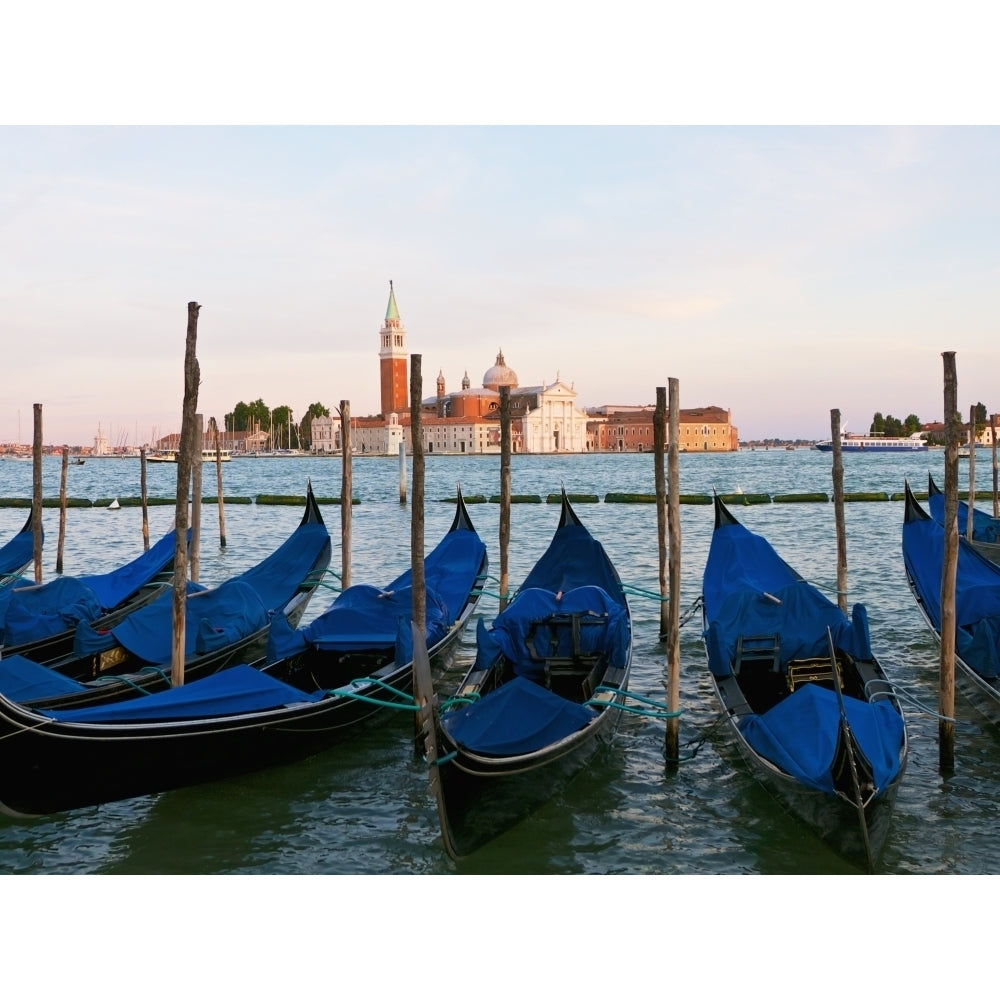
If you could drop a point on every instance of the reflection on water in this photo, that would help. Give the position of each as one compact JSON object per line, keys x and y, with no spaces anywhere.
{"x":364,"y":807}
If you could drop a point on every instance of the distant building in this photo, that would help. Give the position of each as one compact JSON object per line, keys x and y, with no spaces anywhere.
{"x":544,"y":418}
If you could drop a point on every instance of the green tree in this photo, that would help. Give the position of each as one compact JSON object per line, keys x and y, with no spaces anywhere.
{"x":912,"y":424}
{"x":878,"y":424}
{"x":305,"y":424}
{"x":281,"y":428}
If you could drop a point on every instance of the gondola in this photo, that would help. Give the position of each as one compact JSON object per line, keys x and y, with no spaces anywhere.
{"x":977,"y":604}
{"x":547,"y":687}
{"x":985,"y":529}
{"x":808,"y":704}
{"x":362,"y":645}
{"x":242,"y":718}
{"x":39,"y":621}
{"x":225,"y":625}
{"x":16,"y":554}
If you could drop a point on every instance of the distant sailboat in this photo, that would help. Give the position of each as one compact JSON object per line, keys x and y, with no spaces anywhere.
{"x":114,"y":505}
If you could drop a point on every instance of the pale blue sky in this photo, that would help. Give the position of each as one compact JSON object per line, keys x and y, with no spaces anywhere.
{"x":776,"y":271}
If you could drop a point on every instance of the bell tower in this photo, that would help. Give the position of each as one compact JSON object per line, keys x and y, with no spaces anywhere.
{"x":392,"y":360}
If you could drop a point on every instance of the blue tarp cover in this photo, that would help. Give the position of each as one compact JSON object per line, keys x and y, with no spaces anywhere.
{"x":120,"y":584}
{"x":573,"y":559}
{"x":367,"y":617}
{"x":30,"y":614}
{"x":18,"y":552}
{"x":513,"y":627}
{"x":22,"y":679}
{"x":34,"y":613}
{"x":229,"y":692}
{"x":280,"y":575}
{"x":984,"y":527}
{"x":518,"y":717}
{"x":799,"y":735}
{"x":977,"y":593}
{"x":215,"y":618}
{"x":750,"y":590}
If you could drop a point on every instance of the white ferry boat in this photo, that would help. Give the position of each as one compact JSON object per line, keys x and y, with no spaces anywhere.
{"x":207,"y":455}
{"x":876,"y":443}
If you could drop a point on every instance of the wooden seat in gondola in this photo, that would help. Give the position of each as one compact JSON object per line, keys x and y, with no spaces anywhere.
{"x":571,"y":660}
{"x":814,"y":670}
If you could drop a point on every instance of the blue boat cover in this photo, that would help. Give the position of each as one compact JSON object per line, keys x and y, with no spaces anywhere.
{"x":17,"y":553}
{"x":214,"y":618}
{"x":362,"y":617}
{"x":799,"y":735}
{"x":34,"y":613}
{"x":512,"y":628}
{"x":234,"y":691}
{"x":984,"y":527}
{"x":367,"y":617}
{"x":111,"y":589}
{"x":22,"y":679}
{"x":573,"y":559}
{"x":749,"y":589}
{"x":977,"y":593}
{"x":30,"y":614}
{"x":518,"y":717}
{"x":279,"y":576}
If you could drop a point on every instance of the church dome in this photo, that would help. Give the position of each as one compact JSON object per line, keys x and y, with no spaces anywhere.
{"x":500,"y":375}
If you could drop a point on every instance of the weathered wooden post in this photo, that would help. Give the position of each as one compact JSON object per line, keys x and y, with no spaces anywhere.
{"x":36,"y":493}
{"x":949,"y":568}
{"x":145,"y":499}
{"x":993,"y":439}
{"x":972,"y":474}
{"x":213,"y":424}
{"x":192,"y":376}
{"x":674,"y":578}
{"x":197,"y":468}
{"x":402,"y":472}
{"x":62,"y":509}
{"x":417,"y":514}
{"x":504,"y":493}
{"x":838,"y":509}
{"x":346,"y":493}
{"x":659,"y":478}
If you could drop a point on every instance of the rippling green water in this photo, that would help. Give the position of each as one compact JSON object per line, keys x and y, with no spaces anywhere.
{"x":365,"y":808}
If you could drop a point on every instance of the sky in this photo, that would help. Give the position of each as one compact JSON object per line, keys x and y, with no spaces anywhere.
{"x":780,"y":242}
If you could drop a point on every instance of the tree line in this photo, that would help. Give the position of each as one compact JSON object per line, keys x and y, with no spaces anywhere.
{"x":276,"y":421}
{"x":890,"y":426}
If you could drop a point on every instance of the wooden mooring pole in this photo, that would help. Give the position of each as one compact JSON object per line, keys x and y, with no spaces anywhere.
{"x":346,"y":493}
{"x":145,"y":499}
{"x":402,"y":472}
{"x":417,"y":514}
{"x":197,"y":470}
{"x":971,"y":503}
{"x":36,"y":493}
{"x":659,"y":479}
{"x":62,"y":509}
{"x":949,"y":568}
{"x":993,"y":439}
{"x":838,"y":510}
{"x":504,"y":533}
{"x":214,"y":426}
{"x":672,"y":746}
{"x":192,"y":376}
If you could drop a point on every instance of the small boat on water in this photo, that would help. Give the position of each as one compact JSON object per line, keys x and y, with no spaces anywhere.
{"x":16,"y":555}
{"x":806,"y":700}
{"x":546,"y":688}
{"x":225,"y":625}
{"x":977,"y":604}
{"x":985,"y":528}
{"x":170,"y":457}
{"x":242,"y":718}
{"x":876,"y":443}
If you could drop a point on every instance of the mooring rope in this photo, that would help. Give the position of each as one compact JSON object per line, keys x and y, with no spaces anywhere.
{"x":407,"y":704}
{"x":657,"y":709}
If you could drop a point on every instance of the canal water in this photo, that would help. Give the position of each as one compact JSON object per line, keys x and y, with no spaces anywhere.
{"x":364,"y":807}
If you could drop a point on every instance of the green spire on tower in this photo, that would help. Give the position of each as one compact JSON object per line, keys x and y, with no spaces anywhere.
{"x":391,"y":311}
